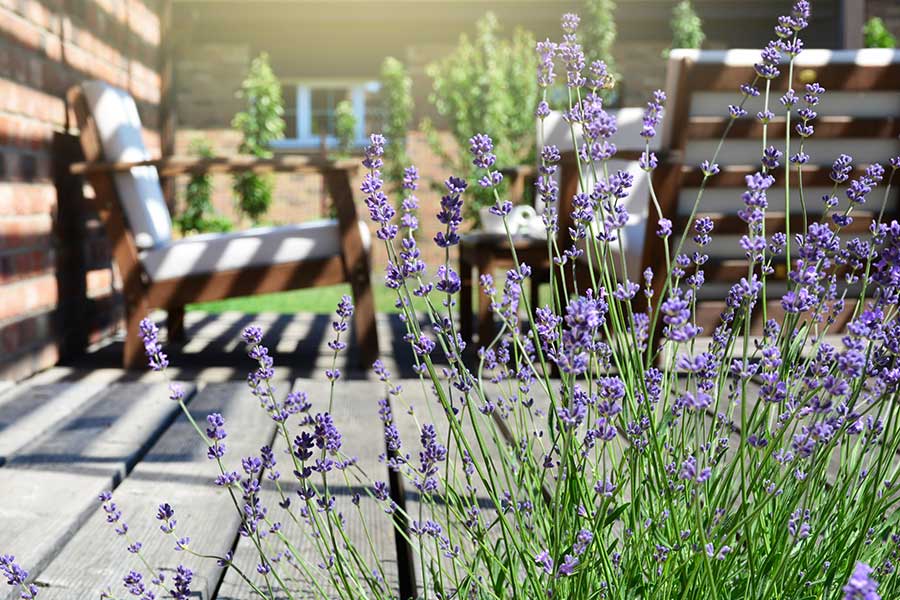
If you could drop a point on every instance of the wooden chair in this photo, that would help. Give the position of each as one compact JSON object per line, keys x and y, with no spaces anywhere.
{"x":859,"y":115}
{"x":159,"y":272}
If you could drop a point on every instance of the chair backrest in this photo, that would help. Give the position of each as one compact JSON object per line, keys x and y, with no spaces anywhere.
{"x":119,"y":128}
{"x":859,"y":115}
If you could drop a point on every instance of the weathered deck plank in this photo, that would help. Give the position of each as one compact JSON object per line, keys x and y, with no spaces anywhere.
{"x":426,"y":409}
{"x":175,"y":470}
{"x":31,"y":410}
{"x":49,"y":488}
{"x":355,"y":414}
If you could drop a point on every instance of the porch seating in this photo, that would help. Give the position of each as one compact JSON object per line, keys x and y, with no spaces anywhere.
{"x":700,"y":86}
{"x":161,"y":272}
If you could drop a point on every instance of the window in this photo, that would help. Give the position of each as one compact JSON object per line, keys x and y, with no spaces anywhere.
{"x":309,"y":111}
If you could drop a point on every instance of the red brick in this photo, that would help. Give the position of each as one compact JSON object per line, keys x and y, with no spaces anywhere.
{"x":28,"y":296}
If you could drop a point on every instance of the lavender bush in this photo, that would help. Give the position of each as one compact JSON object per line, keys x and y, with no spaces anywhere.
{"x":653,"y":465}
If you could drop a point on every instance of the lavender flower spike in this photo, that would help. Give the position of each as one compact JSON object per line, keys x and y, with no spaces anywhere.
{"x":149,"y":332}
{"x":861,"y":586}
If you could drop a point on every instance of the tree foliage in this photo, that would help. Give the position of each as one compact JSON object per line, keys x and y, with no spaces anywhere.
{"x":199,"y":215}
{"x":397,"y":109}
{"x":487,"y":84}
{"x":687,"y":27}
{"x":260,"y":123}
{"x":876,"y":34}
{"x":345,"y":126}
{"x":600,"y":32}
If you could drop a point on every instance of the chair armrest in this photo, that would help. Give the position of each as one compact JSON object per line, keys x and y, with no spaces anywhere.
{"x":188,"y":165}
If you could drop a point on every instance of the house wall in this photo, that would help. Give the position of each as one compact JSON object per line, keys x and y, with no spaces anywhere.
{"x":56,"y":282}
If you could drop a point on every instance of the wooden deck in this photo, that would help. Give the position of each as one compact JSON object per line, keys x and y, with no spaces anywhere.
{"x":64,"y":441}
{"x":71,"y":432}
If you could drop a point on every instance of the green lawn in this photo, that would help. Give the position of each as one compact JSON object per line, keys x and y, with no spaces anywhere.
{"x":322,"y":300}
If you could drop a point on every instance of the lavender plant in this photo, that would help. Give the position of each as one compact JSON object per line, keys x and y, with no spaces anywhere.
{"x":588,"y":452}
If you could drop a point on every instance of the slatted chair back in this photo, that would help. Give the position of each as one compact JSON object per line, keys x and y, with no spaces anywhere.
{"x":858,"y":115}
{"x":105,"y":198}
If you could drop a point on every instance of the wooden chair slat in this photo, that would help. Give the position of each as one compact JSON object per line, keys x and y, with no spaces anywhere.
{"x":700,"y":128}
{"x":716,"y":77}
{"x":731,"y":224}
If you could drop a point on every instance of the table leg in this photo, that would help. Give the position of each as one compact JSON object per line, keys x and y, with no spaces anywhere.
{"x":465,"y":298}
{"x":485,"y":317}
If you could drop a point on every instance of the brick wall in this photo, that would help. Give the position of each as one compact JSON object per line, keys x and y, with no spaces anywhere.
{"x":55,"y":273}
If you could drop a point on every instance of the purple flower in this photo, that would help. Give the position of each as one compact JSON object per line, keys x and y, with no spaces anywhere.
{"x":380,"y":209}
{"x":326,"y":434}
{"x":149,"y":333}
{"x":481,"y":147}
{"x":544,"y":561}
{"x":431,"y":454}
{"x":571,"y":53}
{"x":16,"y":576}
{"x":664,"y":228}
{"x":450,"y":213}
{"x":546,"y":53}
{"x":599,"y":76}
{"x":570,"y":22}
{"x":182,"y":581}
{"x":166,"y":514}
{"x":410,"y":178}
{"x":653,"y":115}
{"x":567,"y":566}
{"x":769,"y":59}
{"x":840,"y":170}
{"x":861,"y":586}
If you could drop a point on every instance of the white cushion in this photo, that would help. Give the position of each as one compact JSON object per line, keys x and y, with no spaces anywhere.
{"x":119,"y":125}
{"x":637,"y":203}
{"x":216,"y":252}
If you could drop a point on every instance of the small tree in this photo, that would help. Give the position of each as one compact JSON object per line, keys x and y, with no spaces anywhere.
{"x":199,"y":214}
{"x":397,"y":109}
{"x":687,"y":28}
{"x":345,"y":126}
{"x":260,"y":123}
{"x":600,"y":32}
{"x":487,"y":85}
{"x":876,"y":34}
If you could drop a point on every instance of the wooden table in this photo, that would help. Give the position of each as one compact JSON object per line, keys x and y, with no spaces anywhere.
{"x":487,"y":252}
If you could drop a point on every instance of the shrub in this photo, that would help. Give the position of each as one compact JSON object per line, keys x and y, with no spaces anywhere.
{"x":687,"y":28}
{"x":199,"y":215}
{"x":397,"y":108}
{"x":599,"y":39}
{"x":482,"y":86}
{"x":876,"y":34}
{"x":656,"y":465}
{"x":345,"y":126}
{"x":260,"y":123}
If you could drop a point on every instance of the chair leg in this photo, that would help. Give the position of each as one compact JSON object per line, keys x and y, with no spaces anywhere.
{"x":465,"y":299}
{"x":175,"y":324}
{"x":485,"y":316}
{"x":133,"y":353}
{"x":364,"y":316}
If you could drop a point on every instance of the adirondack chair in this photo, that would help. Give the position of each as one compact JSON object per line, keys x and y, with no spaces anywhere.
{"x":161,"y":272}
{"x":859,"y":115}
